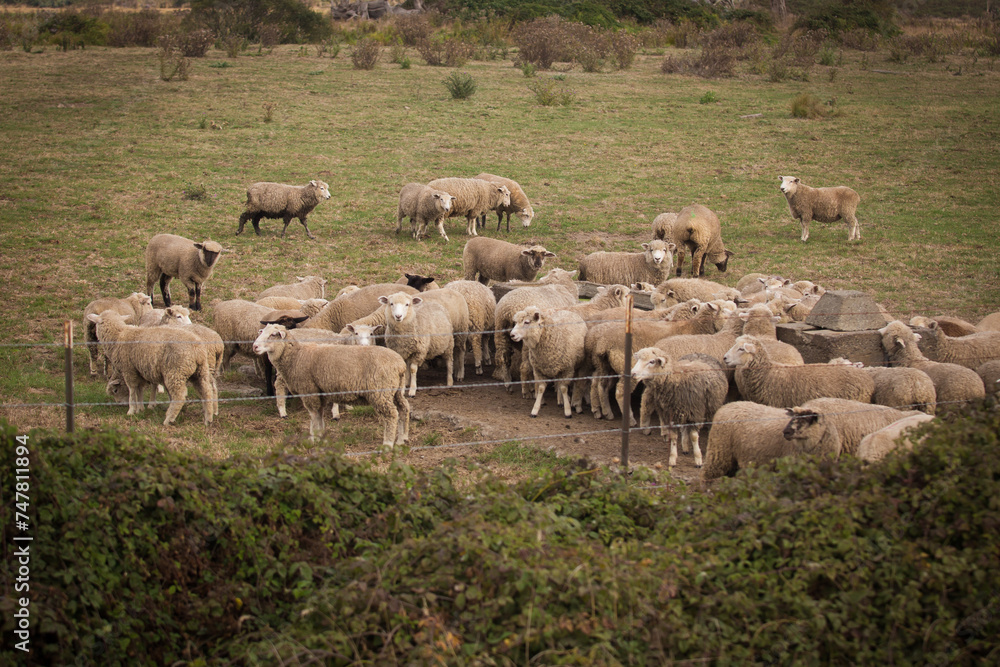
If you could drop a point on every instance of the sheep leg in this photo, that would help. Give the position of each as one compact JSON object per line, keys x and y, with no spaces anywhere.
{"x":440,"y":225}
{"x":177,"y":389}
{"x":411,"y":373}
{"x":672,"y":437}
{"x":164,"y":290}
{"x":693,"y":436}
{"x":203,"y":385}
{"x":403,"y":426}
{"x":449,"y":360}
{"x":287,"y":219}
{"x":280,"y":394}
{"x":646,"y":413}
{"x":853,"y":228}
{"x":470,"y":227}
{"x":385,"y":408}
{"x":539,"y":394}
{"x":525,"y":369}
{"x":501,"y":358}
{"x":680,"y":259}
{"x":804,"y":221}
{"x":92,"y":350}
{"x":459,"y":356}
{"x":621,"y":398}
{"x":256,"y":223}
{"x":194,"y":296}
{"x":476,"y":342}
{"x":698,"y":262}
{"x":317,"y":425}
{"x":562,"y":389}
{"x":303,"y":221}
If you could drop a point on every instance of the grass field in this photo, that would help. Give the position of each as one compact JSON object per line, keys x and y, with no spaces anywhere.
{"x":99,"y":154}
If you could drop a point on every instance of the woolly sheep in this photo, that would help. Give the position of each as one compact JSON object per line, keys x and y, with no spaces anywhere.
{"x":305,"y":287}
{"x":970,"y":351}
{"x":745,"y":433}
{"x":899,"y":387}
{"x":238,"y":321}
{"x":763,"y":381}
{"x":353,"y":306}
{"x":646,"y":288}
{"x":482,"y":305}
{"x":952,"y":383}
{"x":346,"y":289}
{"x":684,"y":393}
{"x":853,"y":419}
{"x":419,"y":332}
{"x":157,"y":355}
{"x":132,"y":308}
{"x":990,"y":375}
{"x":423,"y":205}
{"x":608,"y":268}
{"x":953,"y":326}
{"x":821,"y":204}
{"x":697,"y":229}
{"x":677,"y":290}
{"x":488,"y":259}
{"x":171,"y":256}
{"x":750,"y":283}
{"x":663,"y":226}
{"x":277,"y":200}
{"x":473,"y":198}
{"x":307,"y":307}
{"x":179,"y":316}
{"x":518,"y":205}
{"x":989,"y":323}
{"x":325,"y":374}
{"x":553,"y":343}
{"x":875,"y":446}
{"x":606,"y":298}
{"x":318,"y":336}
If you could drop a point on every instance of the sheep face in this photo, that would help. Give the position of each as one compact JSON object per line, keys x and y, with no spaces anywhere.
{"x":362,"y":334}
{"x":896,"y":336}
{"x":526,"y":215}
{"x":504,"y":192}
{"x":418,"y":282}
{"x":537,"y":255}
{"x":208,"y":252}
{"x":178,"y":314}
{"x":721,"y":260}
{"x":801,"y":421}
{"x":789,"y":184}
{"x":443,"y":201}
{"x":526,"y":323}
{"x":742,"y":350}
{"x":400,"y":304}
{"x":649,"y":361}
{"x":269,"y":337}
{"x":322,"y":189}
{"x":657,"y":251}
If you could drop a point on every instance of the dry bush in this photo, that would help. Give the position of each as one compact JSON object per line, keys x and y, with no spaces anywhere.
{"x":270,"y":35}
{"x":543,"y":41}
{"x":807,"y":105}
{"x":142,"y":28}
{"x":366,"y":53}
{"x":658,"y":35}
{"x":624,"y":46}
{"x":737,"y":35}
{"x":413,"y":28}
{"x":447,"y":52}
{"x":173,"y":63}
{"x":860,"y":39}
{"x":195,"y":44}
{"x":675,"y":65}
{"x":7,"y":35}
{"x":715,"y":62}
{"x":588,"y":48}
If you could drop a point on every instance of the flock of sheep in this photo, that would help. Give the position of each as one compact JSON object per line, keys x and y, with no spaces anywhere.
{"x":706,"y":353}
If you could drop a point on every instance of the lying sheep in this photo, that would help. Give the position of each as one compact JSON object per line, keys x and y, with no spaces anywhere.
{"x":305,"y":287}
{"x":419,"y":332}
{"x":896,"y":435}
{"x":697,"y":229}
{"x":482,"y":305}
{"x":486,"y":259}
{"x":852,"y":419}
{"x":277,"y":200}
{"x":609,"y":268}
{"x":519,"y":204}
{"x":325,"y":374}
{"x":953,"y":383}
{"x":684,"y":393}
{"x":953,"y":326}
{"x":346,"y":289}
{"x":822,"y":204}
{"x":677,"y":290}
{"x":751,"y":283}
{"x":645,"y":288}
{"x":971,"y":351}
{"x":663,"y":226}
{"x":990,"y":375}
{"x":170,"y":256}
{"x":353,"y":306}
{"x":745,"y":433}
{"x":424,"y":206}
{"x":899,"y":387}
{"x":989,"y":323}
{"x":133,"y":308}
{"x":763,"y":381}
{"x":553,"y":343}
{"x":473,"y":198}
{"x":156,"y":355}
{"x":307,"y":307}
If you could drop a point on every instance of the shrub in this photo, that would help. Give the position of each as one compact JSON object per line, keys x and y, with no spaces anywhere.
{"x":445,"y":51}
{"x":549,"y":92}
{"x":708,"y":98}
{"x":589,"y":48}
{"x":860,"y":40}
{"x":623,"y":46}
{"x":404,"y":63}
{"x":528,"y":70}
{"x":140,"y":28}
{"x":397,"y":52}
{"x":460,"y":85}
{"x":269,"y":109}
{"x":675,"y":65}
{"x":715,"y":62}
{"x":293,"y":18}
{"x":413,"y":28}
{"x":173,"y":62}
{"x":540,"y":42}
{"x":827,"y":57}
{"x":195,"y":44}
{"x":807,"y":105}
{"x":873,"y":16}
{"x":366,"y":53}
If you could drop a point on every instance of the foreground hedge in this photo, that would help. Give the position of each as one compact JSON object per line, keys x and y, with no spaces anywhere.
{"x":144,"y":556}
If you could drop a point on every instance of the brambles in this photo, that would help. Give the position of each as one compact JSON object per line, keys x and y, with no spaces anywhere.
{"x":366,"y":53}
{"x":461,"y":85}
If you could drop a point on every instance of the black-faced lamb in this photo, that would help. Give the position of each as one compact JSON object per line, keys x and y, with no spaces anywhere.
{"x":697,"y":229}
{"x":609,"y":268}
{"x":418,"y":282}
{"x":277,"y":200}
{"x":897,"y":435}
{"x":486,"y":259}
{"x":424,"y":206}
{"x":552,"y":340}
{"x":519,"y":204}
{"x":822,"y":204}
{"x":304,"y":287}
{"x":473,"y":198}
{"x":132,"y":308}
{"x":171,"y":256}
{"x":971,"y":351}
{"x":326,"y":374}
{"x":419,"y":332}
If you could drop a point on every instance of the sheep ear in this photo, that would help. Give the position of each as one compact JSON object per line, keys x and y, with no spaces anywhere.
{"x":415,"y":300}
{"x":409,"y":275}
{"x":378,"y":330}
{"x":549,"y":254}
{"x":383,"y":299}
{"x":745,"y":315}
{"x":526,"y":251}
{"x":94,"y":317}
{"x":645,"y":246}
{"x":350,"y":327}
{"x":602,"y":289}
{"x":199,"y":246}
{"x":671,"y":246}
{"x":299,"y":278}
{"x":917,"y":336}
{"x":313,"y":183}
{"x":730,"y":253}
{"x":796,"y":180}
{"x":932,"y":325}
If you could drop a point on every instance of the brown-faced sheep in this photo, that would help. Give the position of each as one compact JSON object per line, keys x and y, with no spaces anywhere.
{"x":971,"y":351}
{"x":853,"y":419}
{"x":277,"y":200}
{"x":171,"y":256}
{"x":486,"y":259}
{"x":304,"y":287}
{"x":519,"y":204}
{"x":552,"y":340}
{"x":424,"y":206}
{"x":897,"y":435}
{"x":609,"y":268}
{"x":822,"y":204}
{"x":132,"y":308}
{"x":697,"y":228}
{"x":473,"y":198}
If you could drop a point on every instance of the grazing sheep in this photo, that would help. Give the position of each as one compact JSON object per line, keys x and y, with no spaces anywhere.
{"x":419,"y":332}
{"x":133,"y":308}
{"x":418,"y":282}
{"x":677,"y":290}
{"x":518,"y":205}
{"x":684,"y":393}
{"x":697,"y":229}
{"x":745,"y":433}
{"x":989,"y":323}
{"x":473,"y":198}
{"x":157,"y":355}
{"x":493,"y":259}
{"x":821,"y":204}
{"x":423,"y":205}
{"x":325,"y":374}
{"x":952,"y":383}
{"x":353,"y":306}
{"x":610,"y":268}
{"x":482,"y":305}
{"x":763,"y":381}
{"x":875,"y":446}
{"x":305,"y":287}
{"x":971,"y":351}
{"x":277,"y":200}
{"x":853,"y":419}
{"x":553,"y":343}
{"x":170,"y":256}
{"x":990,"y":375}
{"x":663,"y":226}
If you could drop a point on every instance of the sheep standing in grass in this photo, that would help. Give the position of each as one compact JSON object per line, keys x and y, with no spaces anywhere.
{"x":424,"y":206}
{"x":482,"y":305}
{"x":853,"y":421}
{"x":473,"y":198}
{"x":519,"y":204}
{"x":822,"y":204}
{"x":157,"y":355}
{"x":170,"y":256}
{"x":277,"y":200}
{"x":325,"y":374}
{"x":553,"y":343}
{"x":652,"y":265}
{"x":684,"y":393}
{"x":745,"y":433}
{"x":663,"y":226}
{"x":697,"y":229}
{"x":304,"y":287}
{"x":896,"y":435}
{"x":971,"y":351}
{"x":953,"y":384}
{"x":487,"y":259}
{"x":133,"y":308}
{"x":419,"y":332}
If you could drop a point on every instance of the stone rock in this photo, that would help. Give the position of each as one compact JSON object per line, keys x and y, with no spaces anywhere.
{"x":846,"y":310}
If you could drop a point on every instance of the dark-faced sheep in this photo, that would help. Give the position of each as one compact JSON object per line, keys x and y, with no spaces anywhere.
{"x":277,"y":200}
{"x":171,"y":256}
{"x":488,"y":259}
{"x":822,"y":204}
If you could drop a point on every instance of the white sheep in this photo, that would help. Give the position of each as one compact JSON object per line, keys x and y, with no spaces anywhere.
{"x":482,"y":305}
{"x":133,"y":308}
{"x":609,"y":268}
{"x":473,"y":198}
{"x":553,"y":344}
{"x":171,"y":256}
{"x":677,"y":290}
{"x":157,"y":355}
{"x":519,"y":203}
{"x":663,"y":226}
{"x":684,"y":392}
{"x":896,"y":435}
{"x":424,"y":206}
{"x":898,"y":386}
{"x":179,"y":316}
{"x":486,"y":259}
{"x":277,"y":200}
{"x":419,"y":332}
{"x":759,"y":321}
{"x":821,"y":204}
{"x":745,"y":433}
{"x":989,"y":323}
{"x":325,"y":374}
{"x":989,"y":372}
{"x":308,"y":306}
{"x":970,"y":351}
{"x":238,"y":321}
{"x":852,"y":419}
{"x":304,"y":287}
{"x":697,"y":228}
{"x":346,"y":289}
{"x":318,"y":336}
{"x":353,"y":306}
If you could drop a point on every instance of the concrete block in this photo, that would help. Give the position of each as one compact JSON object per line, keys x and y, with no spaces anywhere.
{"x":818,"y":346}
{"x":846,"y":310}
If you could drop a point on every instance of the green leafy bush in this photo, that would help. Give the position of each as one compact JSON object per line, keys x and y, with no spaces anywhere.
{"x":460,"y":85}
{"x":552,"y":92}
{"x":807,"y":105}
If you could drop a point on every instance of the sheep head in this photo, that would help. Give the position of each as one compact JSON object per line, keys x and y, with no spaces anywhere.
{"x":269,"y":338}
{"x":789,"y":184}
{"x":650,"y":361}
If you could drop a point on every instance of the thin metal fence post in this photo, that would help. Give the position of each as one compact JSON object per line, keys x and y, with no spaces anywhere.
{"x":68,"y":346}
{"x":627,"y":380}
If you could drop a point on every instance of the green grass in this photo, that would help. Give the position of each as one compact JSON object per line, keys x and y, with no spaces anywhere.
{"x":98,"y":156}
